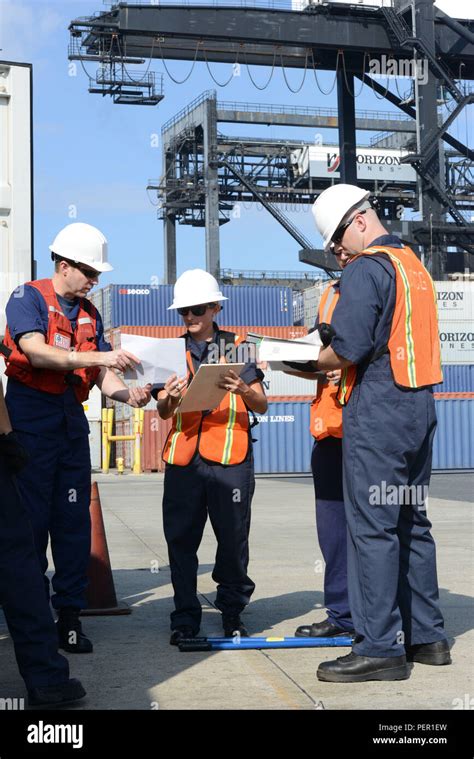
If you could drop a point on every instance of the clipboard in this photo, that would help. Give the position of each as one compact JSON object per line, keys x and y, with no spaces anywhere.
{"x":203,"y":393}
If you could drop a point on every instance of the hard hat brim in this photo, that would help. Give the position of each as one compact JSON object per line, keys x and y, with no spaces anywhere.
{"x":195,"y":302}
{"x":100,"y":267}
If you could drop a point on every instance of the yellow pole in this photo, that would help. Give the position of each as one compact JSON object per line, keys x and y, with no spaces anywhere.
{"x":105,"y":443}
{"x":137,"y":424}
{"x":110,"y":424}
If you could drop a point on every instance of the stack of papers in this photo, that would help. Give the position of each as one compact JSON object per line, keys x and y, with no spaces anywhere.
{"x":277,"y":351}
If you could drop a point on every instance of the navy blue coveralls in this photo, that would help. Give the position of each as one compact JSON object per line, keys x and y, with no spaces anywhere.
{"x":25,"y":607}
{"x":55,"y":486}
{"x":388,"y":439}
{"x":331,"y":525}
{"x":193,"y":492}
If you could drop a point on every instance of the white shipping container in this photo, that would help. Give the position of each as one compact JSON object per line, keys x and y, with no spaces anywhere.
{"x":312,"y":296}
{"x":457,"y":342}
{"x":16,"y":243}
{"x":322,"y":162}
{"x":455,"y":300}
{"x":279,"y":383}
{"x":95,"y":444}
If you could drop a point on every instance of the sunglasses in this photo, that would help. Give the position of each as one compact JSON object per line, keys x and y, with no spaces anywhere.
{"x":195,"y":310}
{"x":339,"y":233}
{"x":89,"y":273}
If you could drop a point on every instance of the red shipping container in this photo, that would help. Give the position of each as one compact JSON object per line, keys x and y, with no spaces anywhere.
{"x":113,"y":335}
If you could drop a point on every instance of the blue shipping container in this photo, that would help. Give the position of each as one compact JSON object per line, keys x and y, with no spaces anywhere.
{"x":457,"y":378}
{"x":454,"y":440}
{"x":144,"y":305}
{"x":284,"y":442}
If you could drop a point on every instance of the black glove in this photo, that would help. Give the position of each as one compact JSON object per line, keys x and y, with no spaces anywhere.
{"x":326,"y":333}
{"x":13,"y":452}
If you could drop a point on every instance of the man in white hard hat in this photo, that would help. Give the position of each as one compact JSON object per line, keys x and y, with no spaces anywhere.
{"x":209,"y":463}
{"x":385,"y":324}
{"x":55,"y":352}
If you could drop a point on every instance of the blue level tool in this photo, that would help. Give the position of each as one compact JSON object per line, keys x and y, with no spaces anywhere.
{"x":238,"y":644}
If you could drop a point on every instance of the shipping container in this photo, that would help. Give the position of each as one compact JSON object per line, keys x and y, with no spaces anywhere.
{"x":457,"y":378}
{"x":279,"y":383}
{"x":155,"y":432}
{"x":323,"y":162}
{"x":143,"y":305}
{"x":457,"y":342}
{"x":289,"y":333}
{"x":454,"y":440}
{"x":455,"y":301}
{"x":16,"y":186}
{"x":283,"y":441}
{"x":95,"y":444}
{"x":298,"y":307}
{"x":312,"y":296}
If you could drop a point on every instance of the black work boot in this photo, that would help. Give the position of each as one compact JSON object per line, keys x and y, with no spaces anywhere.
{"x":429,"y":653}
{"x":182,"y":632}
{"x":233,"y":626}
{"x":56,"y":695}
{"x":355,"y":668}
{"x":70,"y":635}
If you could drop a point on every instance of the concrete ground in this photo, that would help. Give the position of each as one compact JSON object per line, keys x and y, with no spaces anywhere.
{"x":134,"y":667}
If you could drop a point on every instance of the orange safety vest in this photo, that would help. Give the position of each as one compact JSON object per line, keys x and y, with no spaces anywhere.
{"x":326,"y":410}
{"x":413,"y":345}
{"x":60,"y":335}
{"x":221,"y":436}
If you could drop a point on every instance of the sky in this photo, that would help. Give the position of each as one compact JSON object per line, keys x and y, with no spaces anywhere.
{"x":93,"y":159}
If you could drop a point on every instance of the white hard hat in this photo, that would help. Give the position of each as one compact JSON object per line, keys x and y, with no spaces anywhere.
{"x":82,"y":244}
{"x":194,"y":287}
{"x":333,"y":205}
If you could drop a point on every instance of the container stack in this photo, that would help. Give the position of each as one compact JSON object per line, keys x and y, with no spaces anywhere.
{"x":454,"y":441}
{"x":283,"y":439}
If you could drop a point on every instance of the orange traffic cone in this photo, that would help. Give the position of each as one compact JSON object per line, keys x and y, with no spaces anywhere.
{"x":100,"y":594}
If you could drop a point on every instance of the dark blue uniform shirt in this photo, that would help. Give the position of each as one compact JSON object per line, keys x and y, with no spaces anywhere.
{"x":33,"y":410}
{"x":362,"y":319}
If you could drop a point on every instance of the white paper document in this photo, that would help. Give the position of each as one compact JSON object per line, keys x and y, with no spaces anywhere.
{"x":276,"y":350}
{"x":160,"y":358}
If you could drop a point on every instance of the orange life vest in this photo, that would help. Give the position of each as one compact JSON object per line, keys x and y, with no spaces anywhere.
{"x":60,"y":335}
{"x":413,"y":345}
{"x":221,"y":436}
{"x":326,"y":410}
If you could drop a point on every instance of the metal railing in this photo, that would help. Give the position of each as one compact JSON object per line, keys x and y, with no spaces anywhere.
{"x":277,"y":5}
{"x":259,"y":274}
{"x":227,"y":105}
{"x":307,"y":111}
